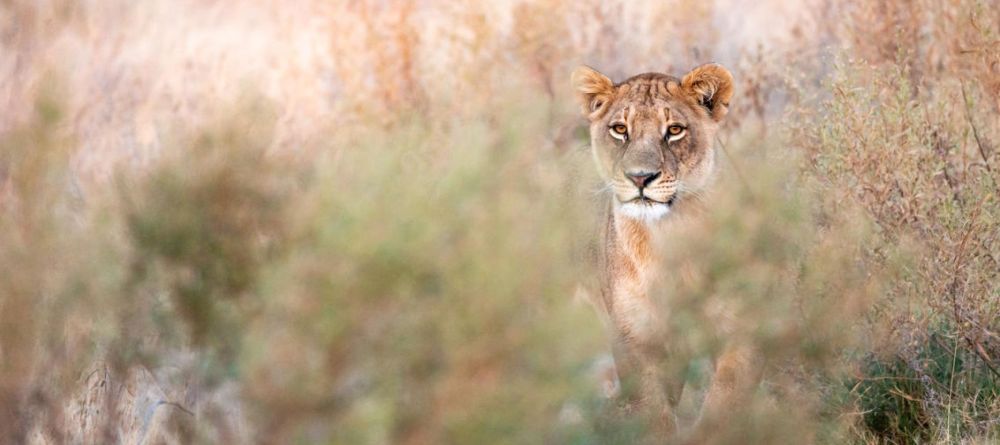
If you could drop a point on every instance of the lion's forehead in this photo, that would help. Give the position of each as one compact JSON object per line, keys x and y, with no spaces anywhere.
{"x":653,"y":98}
{"x":656,"y":114}
{"x":647,"y":89}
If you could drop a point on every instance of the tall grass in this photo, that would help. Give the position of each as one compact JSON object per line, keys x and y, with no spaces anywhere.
{"x":369,"y":222}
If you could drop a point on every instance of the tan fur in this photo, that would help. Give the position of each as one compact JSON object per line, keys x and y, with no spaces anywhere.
{"x":671,"y":173}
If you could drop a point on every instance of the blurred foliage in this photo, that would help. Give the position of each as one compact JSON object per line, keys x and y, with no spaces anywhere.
{"x":423,"y":295}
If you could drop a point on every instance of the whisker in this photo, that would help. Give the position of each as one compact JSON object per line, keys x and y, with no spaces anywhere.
{"x":603,"y":188}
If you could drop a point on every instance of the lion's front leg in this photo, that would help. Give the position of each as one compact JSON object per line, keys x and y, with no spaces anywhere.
{"x":652,"y":380}
{"x":738,"y":371}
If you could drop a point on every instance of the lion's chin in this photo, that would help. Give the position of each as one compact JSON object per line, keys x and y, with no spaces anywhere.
{"x":644,"y":210}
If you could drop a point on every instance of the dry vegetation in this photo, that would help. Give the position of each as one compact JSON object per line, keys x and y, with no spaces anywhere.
{"x":364,"y":221}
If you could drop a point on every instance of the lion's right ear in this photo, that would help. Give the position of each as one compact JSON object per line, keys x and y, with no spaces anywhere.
{"x":593,"y":89}
{"x":711,"y":86}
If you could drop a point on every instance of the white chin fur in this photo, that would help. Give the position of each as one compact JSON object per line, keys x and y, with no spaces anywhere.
{"x":643,"y":211}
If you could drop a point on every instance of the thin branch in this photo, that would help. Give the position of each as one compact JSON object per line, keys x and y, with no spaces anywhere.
{"x":984,"y":358}
{"x":176,"y":405}
{"x":736,"y":168}
{"x":975,"y":131}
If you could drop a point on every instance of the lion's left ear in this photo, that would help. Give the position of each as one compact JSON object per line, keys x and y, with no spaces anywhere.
{"x":712,"y":86}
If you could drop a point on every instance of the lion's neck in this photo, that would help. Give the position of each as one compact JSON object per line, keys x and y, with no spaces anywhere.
{"x":632,"y":266}
{"x":638,"y":236}
{"x":634,"y":245}
{"x":633,"y":237}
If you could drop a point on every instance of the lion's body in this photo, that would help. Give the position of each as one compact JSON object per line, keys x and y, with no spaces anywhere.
{"x":651,"y":137}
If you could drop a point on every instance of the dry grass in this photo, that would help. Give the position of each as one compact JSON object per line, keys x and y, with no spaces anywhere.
{"x":363,"y":222}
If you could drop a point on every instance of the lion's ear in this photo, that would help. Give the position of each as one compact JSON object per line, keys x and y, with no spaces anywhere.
{"x":594,"y":90}
{"x":712,"y":86}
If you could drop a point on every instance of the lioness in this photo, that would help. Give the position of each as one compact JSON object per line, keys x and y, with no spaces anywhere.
{"x":652,"y":139}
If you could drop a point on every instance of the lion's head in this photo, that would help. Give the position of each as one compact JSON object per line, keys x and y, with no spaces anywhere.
{"x":652,"y":135}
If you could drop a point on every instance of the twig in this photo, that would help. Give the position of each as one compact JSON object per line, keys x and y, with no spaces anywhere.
{"x":975,"y":131}
{"x":736,"y":168}
{"x":984,"y":358}
{"x":953,"y":290}
{"x":176,"y":405}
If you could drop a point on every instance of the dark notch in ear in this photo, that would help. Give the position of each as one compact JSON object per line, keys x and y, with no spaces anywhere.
{"x":593,"y":89}
{"x":712,"y":86}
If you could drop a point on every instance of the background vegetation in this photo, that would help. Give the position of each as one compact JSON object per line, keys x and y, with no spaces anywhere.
{"x":365,"y":222}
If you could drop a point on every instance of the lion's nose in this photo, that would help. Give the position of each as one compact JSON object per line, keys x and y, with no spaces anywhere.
{"x":642,"y":178}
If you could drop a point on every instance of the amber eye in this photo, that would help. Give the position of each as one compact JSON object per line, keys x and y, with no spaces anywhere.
{"x":619,"y":131}
{"x":675,"y":130}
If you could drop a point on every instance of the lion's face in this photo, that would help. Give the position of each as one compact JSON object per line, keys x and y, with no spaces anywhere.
{"x":652,"y":135}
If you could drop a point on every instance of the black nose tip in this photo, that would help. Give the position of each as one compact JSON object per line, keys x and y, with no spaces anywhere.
{"x":642,"y":179}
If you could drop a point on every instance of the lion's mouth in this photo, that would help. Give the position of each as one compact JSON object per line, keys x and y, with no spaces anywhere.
{"x":646,"y":209}
{"x":645,"y":200}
